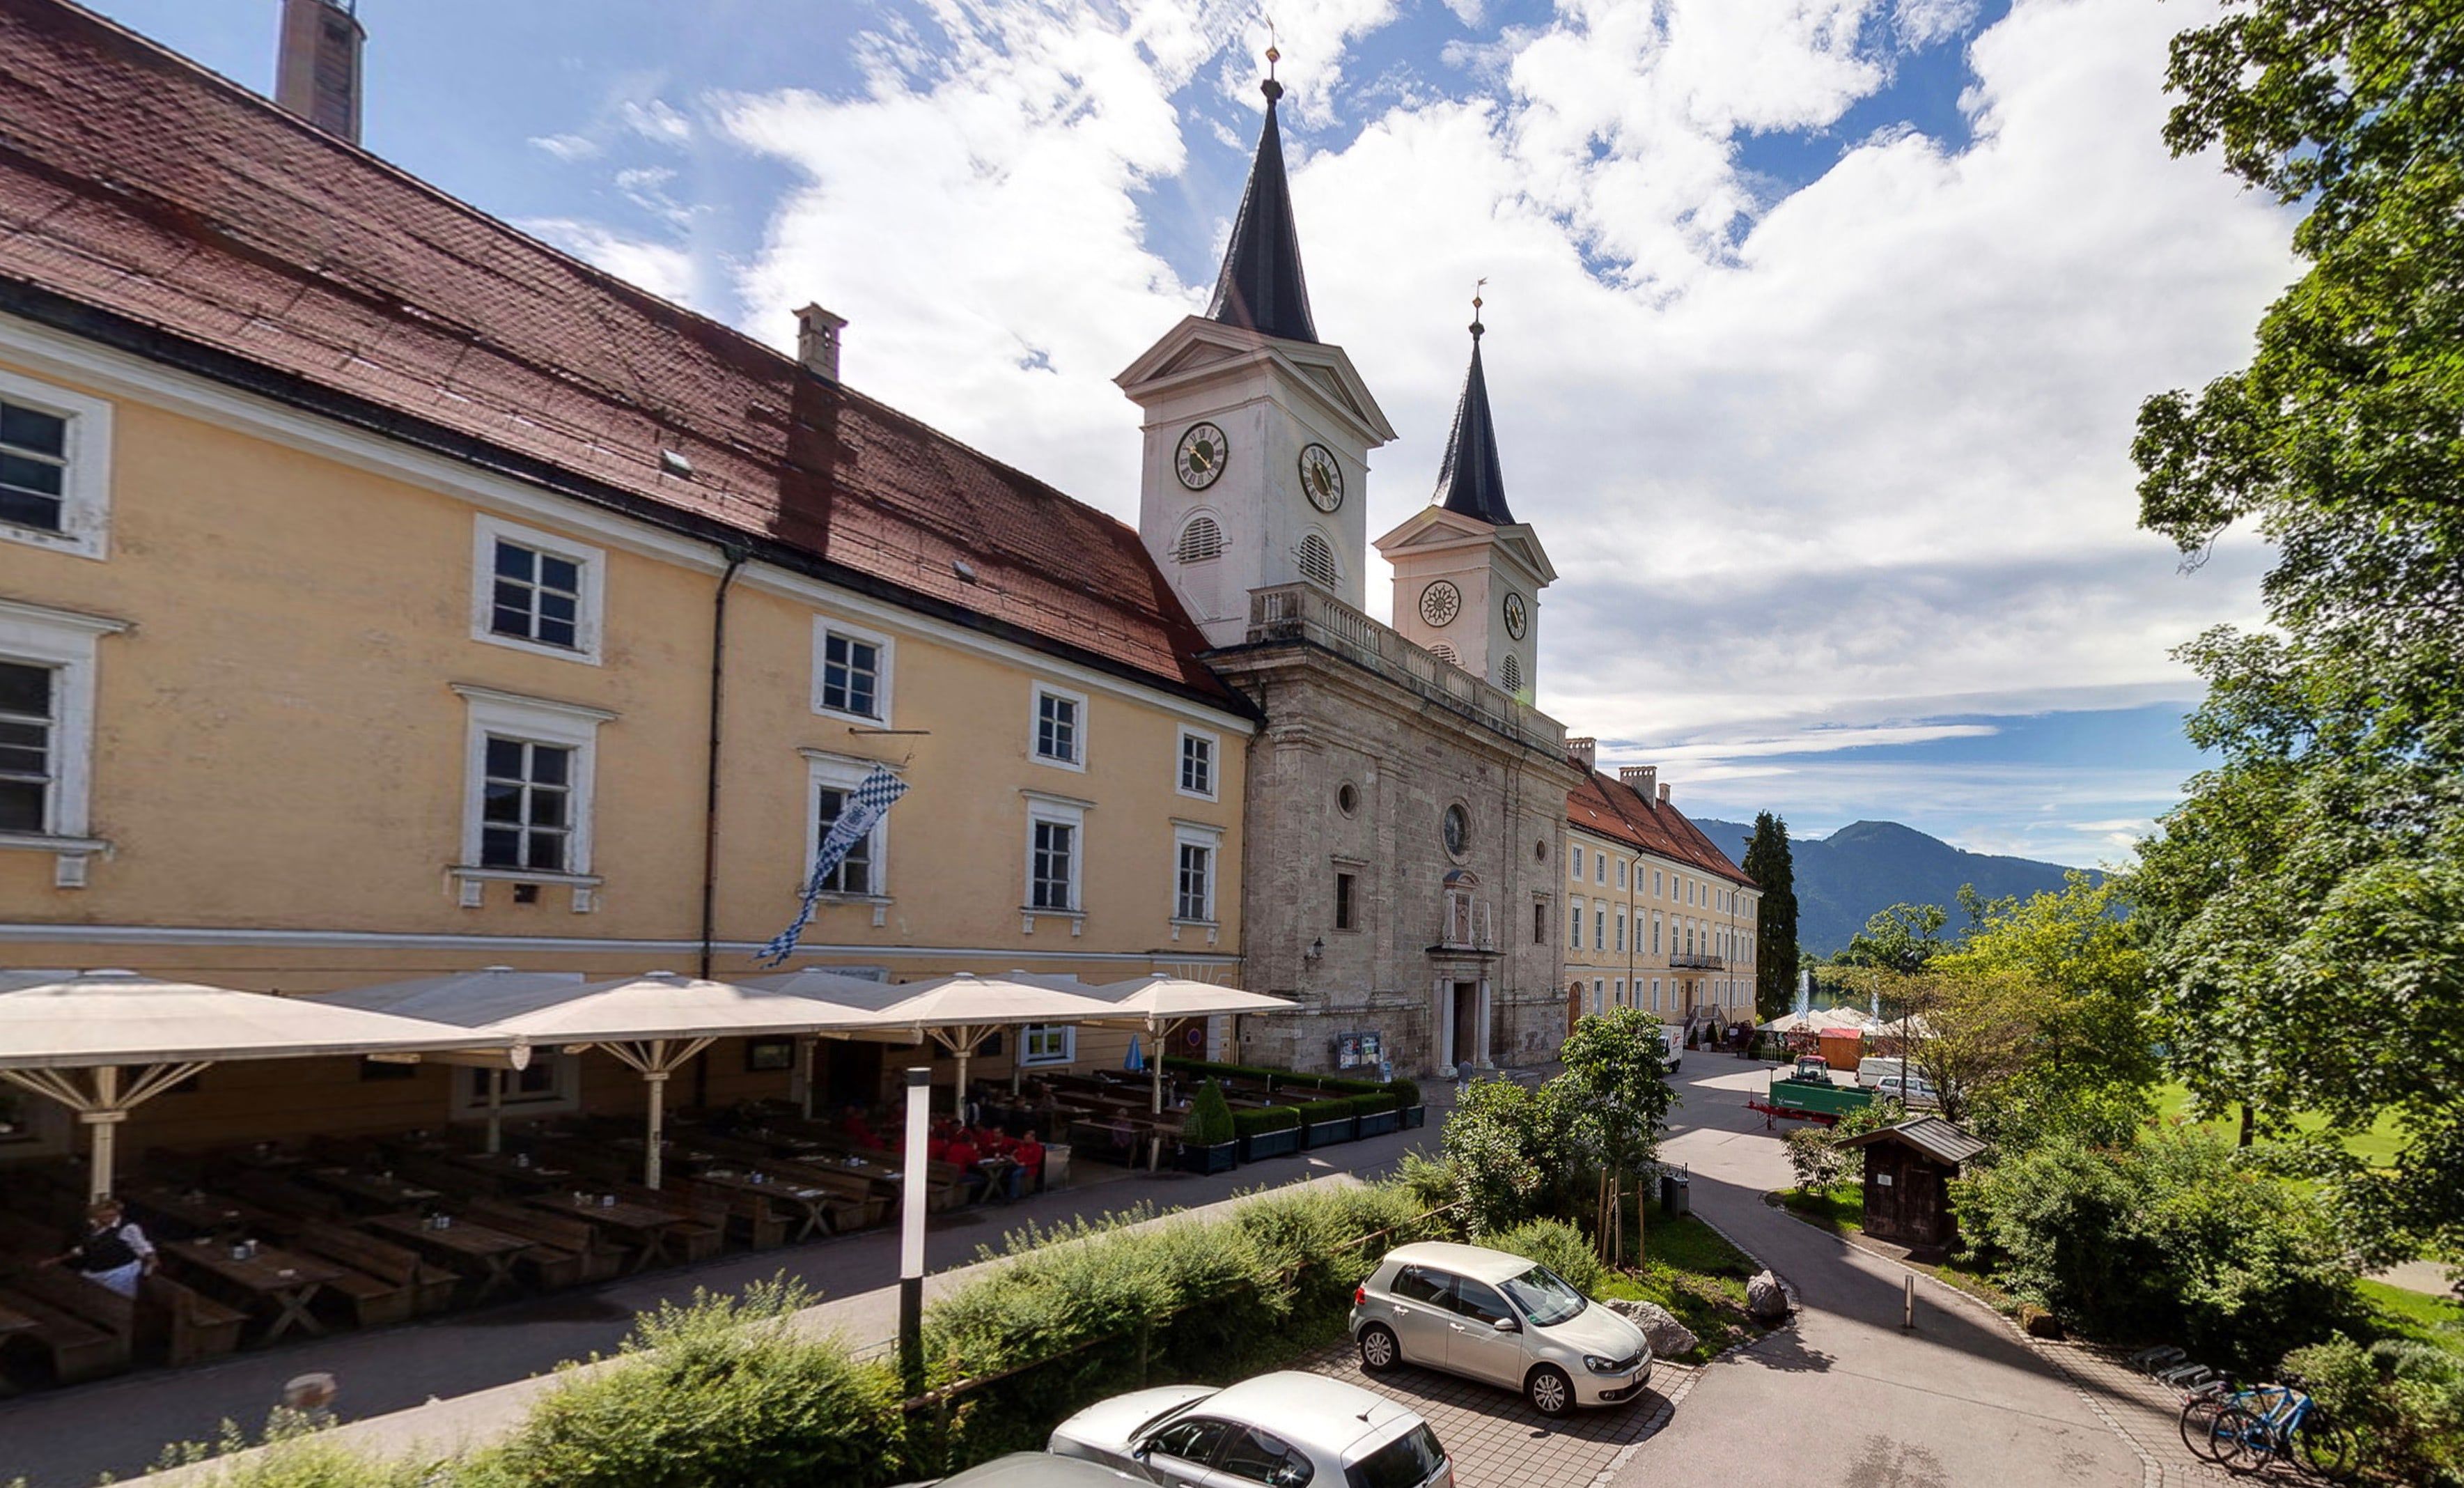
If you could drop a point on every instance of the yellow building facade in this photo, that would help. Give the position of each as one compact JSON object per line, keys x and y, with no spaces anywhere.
{"x":299,"y":692}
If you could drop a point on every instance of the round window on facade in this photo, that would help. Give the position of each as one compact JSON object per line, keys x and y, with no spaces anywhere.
{"x":1540,"y":851}
{"x":1455,"y":829}
{"x":1347,"y":798}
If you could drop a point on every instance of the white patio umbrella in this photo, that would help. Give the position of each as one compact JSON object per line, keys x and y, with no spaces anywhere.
{"x":1160,"y":1004}
{"x":103,"y":1043}
{"x":444,"y":997}
{"x":656,"y":1023}
{"x":836,"y":988}
{"x":960,"y":1011}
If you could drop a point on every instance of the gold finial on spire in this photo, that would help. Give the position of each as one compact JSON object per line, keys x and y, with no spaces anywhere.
{"x":1476,"y":327}
{"x":1273,"y":89}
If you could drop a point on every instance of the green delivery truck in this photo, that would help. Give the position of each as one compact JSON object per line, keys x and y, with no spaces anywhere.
{"x":1807,"y":1094}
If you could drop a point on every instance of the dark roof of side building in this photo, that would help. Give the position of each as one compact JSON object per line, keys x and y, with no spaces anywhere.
{"x":147,"y":202}
{"x":1930,"y":1135}
{"x":1609,"y":807}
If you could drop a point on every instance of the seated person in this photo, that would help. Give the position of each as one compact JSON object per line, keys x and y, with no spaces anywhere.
{"x":1026,"y":1170}
{"x":857,"y":1130}
{"x":936,"y":1148}
{"x":963,"y":1155}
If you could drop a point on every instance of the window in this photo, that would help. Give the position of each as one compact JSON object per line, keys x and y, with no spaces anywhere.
{"x":1419,"y":1284}
{"x":1577,"y":862}
{"x":1509,"y":673}
{"x":1197,"y":763}
{"x":1445,"y":653}
{"x":1199,"y":541}
{"x":1575,"y":910}
{"x":1060,"y":728}
{"x":1600,"y":868}
{"x":28,"y":720}
{"x":1191,"y":1440}
{"x":1539,"y":923}
{"x":1051,"y":879}
{"x":526,"y":814}
{"x":1654,"y":935}
{"x":526,"y":808}
{"x":1655,"y":994}
{"x":1047,"y":1043}
{"x":54,"y":467}
{"x":1620,"y":929}
{"x":1479,"y":1302}
{"x":1194,"y":881}
{"x":1599,"y":928}
{"x":830,"y":780}
{"x":550,"y":1083}
{"x":1453,"y":830}
{"x":1318,"y":562}
{"x":1343,"y":910}
{"x":536,"y":591}
{"x":850,"y":676}
{"x":1253,"y":1456}
{"x":1617,"y":992}
{"x":1599,"y":993}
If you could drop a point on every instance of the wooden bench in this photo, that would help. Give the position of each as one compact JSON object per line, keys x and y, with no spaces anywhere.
{"x":87,"y":1337}
{"x":701,"y":1222}
{"x":756,"y":1220}
{"x":429,"y":1288}
{"x":564,"y":1252}
{"x":183,"y":1324}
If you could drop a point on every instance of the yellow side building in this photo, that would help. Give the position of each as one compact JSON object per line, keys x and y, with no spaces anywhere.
{"x":382,"y":593}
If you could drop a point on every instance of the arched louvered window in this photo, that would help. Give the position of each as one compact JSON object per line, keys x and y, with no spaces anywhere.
{"x":1202,"y":540}
{"x":1446,"y":653}
{"x":1317,"y":561}
{"x":1510,"y":673}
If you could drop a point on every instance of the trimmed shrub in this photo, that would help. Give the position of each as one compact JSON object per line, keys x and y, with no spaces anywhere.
{"x":1407,"y":1093}
{"x":1313,"y":1112}
{"x":1376,"y":1103}
{"x":722,"y":1392}
{"x":1259,"y":1119}
{"x":1210,"y":1118}
{"x":2403,"y":1401}
{"x":1556,"y":1245}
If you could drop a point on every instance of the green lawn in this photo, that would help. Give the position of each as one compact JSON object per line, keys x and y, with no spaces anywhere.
{"x":1697,"y":1275}
{"x":2376,"y":1144}
{"x":2397,"y":1312}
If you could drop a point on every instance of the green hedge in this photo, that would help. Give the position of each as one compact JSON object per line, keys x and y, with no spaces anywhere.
{"x":1404,"y":1093}
{"x":1261,"y":1120}
{"x":1313,"y":1112}
{"x":1377,"y":1103}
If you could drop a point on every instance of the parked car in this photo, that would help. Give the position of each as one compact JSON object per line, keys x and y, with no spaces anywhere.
{"x":1506,"y":1319}
{"x":1285,"y":1430}
{"x":1915,"y":1092}
{"x":1871,"y":1073}
{"x":1033,"y":1470}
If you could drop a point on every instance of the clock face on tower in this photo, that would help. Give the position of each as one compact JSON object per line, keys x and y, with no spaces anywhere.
{"x":1200,"y":457}
{"x":1517,"y":618}
{"x":1322,"y":478}
{"x":1440,"y":602}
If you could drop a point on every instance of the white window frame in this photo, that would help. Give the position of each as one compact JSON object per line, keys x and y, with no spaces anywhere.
{"x":589,"y":605}
{"x":1062,"y":811}
{"x":570,"y":726}
{"x":1211,"y":838}
{"x":1620,"y":883}
{"x":1576,"y":873}
{"x":887,"y":646}
{"x":1029,"y":1032}
{"x":85,"y":487}
{"x":1617,"y":991}
{"x":1601,"y":869}
{"x":564,"y":1094}
{"x":64,"y":641}
{"x":1214,"y":763}
{"x":1034,"y":729}
{"x":1577,"y":906}
{"x":841,"y":772}
{"x":1620,"y":932}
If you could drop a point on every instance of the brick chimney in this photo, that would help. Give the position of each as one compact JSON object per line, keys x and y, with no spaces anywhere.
{"x":1583,"y":752}
{"x":1663,"y":792}
{"x":1638,"y":778}
{"x":817,"y":340}
{"x":316,"y":68}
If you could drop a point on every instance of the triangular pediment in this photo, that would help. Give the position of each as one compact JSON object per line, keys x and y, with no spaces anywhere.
{"x":1195,"y":356}
{"x":1198,"y":349}
{"x":1437,"y":529}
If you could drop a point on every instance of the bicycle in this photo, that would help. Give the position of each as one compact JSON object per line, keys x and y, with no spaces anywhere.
{"x":2244,"y":1431}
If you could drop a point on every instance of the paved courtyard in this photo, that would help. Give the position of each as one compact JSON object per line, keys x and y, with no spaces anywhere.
{"x":1498,"y":1440}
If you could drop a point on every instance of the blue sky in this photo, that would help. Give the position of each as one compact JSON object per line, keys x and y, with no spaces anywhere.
{"x":1816,"y":326}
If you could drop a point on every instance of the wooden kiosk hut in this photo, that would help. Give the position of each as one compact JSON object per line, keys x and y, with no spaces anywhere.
{"x":1908,"y":1169}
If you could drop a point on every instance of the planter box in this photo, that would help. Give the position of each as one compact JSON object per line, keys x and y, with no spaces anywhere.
{"x":1270,"y":1144}
{"x":1217,"y":1159}
{"x":1415,"y":1116}
{"x":1379,"y":1125}
{"x":1326,"y":1134}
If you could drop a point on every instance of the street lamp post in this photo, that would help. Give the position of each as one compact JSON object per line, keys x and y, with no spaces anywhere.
{"x":911,"y":1228}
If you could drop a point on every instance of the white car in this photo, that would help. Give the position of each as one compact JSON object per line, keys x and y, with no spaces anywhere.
{"x":1504,"y":1318}
{"x":1285,"y":1430}
{"x":1915,"y":1093}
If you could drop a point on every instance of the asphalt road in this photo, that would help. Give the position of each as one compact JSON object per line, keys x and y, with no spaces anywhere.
{"x":1844,"y":1397}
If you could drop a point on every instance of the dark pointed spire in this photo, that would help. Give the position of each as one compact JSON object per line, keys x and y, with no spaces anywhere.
{"x":1471,"y":481}
{"x":1261,"y":287}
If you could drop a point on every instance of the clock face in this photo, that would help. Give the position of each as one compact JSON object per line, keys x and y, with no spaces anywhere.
{"x":1517,"y":618}
{"x":1440,"y":602}
{"x":1200,"y":457}
{"x":1322,"y":478}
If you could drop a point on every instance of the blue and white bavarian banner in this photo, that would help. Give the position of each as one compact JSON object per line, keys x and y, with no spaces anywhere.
{"x":865,"y":806}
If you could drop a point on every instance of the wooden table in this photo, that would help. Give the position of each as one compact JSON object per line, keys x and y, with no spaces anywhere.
{"x":473,"y":1250}
{"x":646,"y":1227}
{"x":809,"y":1204}
{"x":207,"y":1213}
{"x":381,"y":1190}
{"x":283,"y":1278}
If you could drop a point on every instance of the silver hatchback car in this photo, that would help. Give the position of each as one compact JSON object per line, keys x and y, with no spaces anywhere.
{"x":1285,"y":1430}
{"x":1500,"y":1318}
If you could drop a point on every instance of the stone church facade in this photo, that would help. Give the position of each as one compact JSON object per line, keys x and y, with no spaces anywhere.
{"x":1405,"y":802}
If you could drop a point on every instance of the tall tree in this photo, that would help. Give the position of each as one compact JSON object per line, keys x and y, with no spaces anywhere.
{"x":2304,"y":901}
{"x":1769,"y":864}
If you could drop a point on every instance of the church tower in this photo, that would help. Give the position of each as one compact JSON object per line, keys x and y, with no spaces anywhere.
{"x":1257,"y":433}
{"x":1468,"y":576}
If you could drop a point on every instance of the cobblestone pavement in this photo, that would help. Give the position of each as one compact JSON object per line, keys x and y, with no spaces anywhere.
{"x":1499,"y":1441}
{"x":2148,"y":1412}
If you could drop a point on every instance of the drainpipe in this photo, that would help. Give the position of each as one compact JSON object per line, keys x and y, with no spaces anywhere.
{"x":736,"y":557}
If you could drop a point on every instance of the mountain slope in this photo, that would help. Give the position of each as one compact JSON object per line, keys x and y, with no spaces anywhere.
{"x":1843,"y":878}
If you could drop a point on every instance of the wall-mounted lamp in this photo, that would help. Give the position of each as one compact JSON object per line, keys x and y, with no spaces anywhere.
{"x":1316,"y":949}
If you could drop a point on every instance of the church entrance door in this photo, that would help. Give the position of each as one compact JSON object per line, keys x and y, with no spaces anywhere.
{"x":1466,"y":1021}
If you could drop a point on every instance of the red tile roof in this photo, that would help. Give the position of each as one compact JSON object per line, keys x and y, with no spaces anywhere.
{"x":1613,"y":809}
{"x":134,"y":182}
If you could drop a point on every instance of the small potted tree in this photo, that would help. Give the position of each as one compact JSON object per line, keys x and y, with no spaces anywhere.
{"x":1206,"y":1140}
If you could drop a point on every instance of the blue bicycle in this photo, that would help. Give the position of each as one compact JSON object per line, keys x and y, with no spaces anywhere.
{"x":2245,"y":1430}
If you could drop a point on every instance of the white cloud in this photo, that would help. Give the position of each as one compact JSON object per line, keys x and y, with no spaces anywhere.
{"x":566,"y":147}
{"x":662,"y":269}
{"x":655,"y":121}
{"x":1921,"y":22}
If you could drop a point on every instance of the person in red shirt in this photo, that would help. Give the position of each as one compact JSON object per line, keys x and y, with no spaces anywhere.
{"x":963,"y":1155}
{"x":1027,"y":1175}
